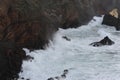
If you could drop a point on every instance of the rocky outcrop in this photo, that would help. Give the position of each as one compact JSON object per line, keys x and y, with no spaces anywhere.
{"x":31,"y":23}
{"x":11,"y":58}
{"x":111,"y":21}
{"x":105,"y":41}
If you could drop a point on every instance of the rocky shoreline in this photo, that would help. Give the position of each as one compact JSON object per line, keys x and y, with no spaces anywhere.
{"x":32,"y":23}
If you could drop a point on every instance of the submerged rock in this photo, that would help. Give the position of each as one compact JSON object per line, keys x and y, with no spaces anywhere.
{"x":105,"y":41}
{"x":65,"y":37}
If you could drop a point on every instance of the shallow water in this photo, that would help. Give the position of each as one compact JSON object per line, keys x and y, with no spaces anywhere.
{"x":83,"y":61}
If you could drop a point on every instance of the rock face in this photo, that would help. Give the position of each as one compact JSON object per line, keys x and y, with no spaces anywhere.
{"x":111,"y":21}
{"x":105,"y":41}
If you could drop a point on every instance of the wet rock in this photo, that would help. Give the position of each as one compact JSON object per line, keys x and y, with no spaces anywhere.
{"x":111,"y":21}
{"x":57,"y":77}
{"x":65,"y":37}
{"x":105,"y":41}
{"x":22,"y":78}
{"x":65,"y":71}
{"x":29,"y":58}
{"x":63,"y":76}
{"x":50,"y":79}
{"x":29,"y":34}
{"x":11,"y":58}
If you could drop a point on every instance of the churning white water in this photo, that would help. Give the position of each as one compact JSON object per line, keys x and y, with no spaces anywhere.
{"x":84,"y":62}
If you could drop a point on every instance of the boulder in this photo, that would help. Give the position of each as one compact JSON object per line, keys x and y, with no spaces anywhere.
{"x":111,"y":21}
{"x":105,"y":41}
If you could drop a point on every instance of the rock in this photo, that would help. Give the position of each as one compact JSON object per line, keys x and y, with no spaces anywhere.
{"x":11,"y":59}
{"x":65,"y":71}
{"x":50,"y":79}
{"x":31,"y":35}
{"x":29,"y":58}
{"x":22,"y":78}
{"x":114,"y":13}
{"x":111,"y":21}
{"x":63,"y":76}
{"x":31,"y":23}
{"x":65,"y":37}
{"x":105,"y":41}
{"x":57,"y":77}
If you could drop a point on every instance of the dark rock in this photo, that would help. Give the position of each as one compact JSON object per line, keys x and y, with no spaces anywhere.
{"x":65,"y":37}
{"x":105,"y":41}
{"x":31,"y":23}
{"x":65,"y":71}
{"x":111,"y":21}
{"x":63,"y":76}
{"x":50,"y":79}
{"x":57,"y":77}
{"x":11,"y":59}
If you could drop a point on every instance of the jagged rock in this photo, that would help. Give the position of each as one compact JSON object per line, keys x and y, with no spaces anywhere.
{"x":105,"y":41}
{"x":29,"y":34}
{"x":63,"y":76}
{"x":111,"y":21}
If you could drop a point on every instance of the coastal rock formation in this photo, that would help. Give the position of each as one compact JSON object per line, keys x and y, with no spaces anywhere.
{"x":111,"y":21}
{"x":32,"y":23}
{"x":105,"y":41}
{"x":11,"y":58}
